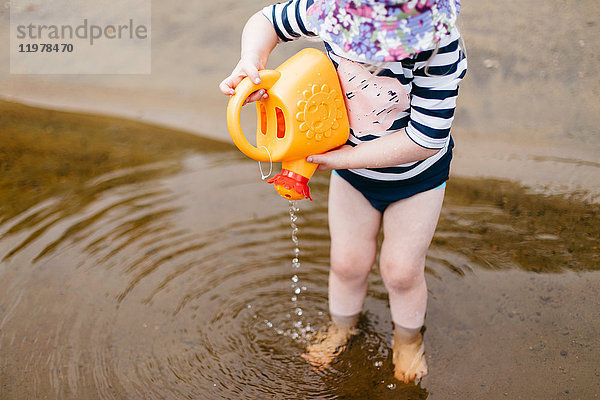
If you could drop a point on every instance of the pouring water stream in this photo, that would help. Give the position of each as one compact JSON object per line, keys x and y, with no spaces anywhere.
{"x":300,"y":329}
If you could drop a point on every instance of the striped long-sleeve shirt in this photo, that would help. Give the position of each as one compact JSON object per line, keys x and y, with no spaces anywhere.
{"x":430,"y":79}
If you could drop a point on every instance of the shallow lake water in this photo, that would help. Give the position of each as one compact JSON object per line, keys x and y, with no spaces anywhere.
{"x":142,"y":263}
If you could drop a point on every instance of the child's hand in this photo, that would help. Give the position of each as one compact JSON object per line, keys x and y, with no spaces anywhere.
{"x":258,"y":40}
{"x":248,"y":66}
{"x":334,"y":159}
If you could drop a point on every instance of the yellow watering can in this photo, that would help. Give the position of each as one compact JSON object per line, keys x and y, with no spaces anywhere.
{"x":304,"y":114}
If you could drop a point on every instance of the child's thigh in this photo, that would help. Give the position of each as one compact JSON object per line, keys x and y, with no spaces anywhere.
{"x":409,"y":225}
{"x":353,"y":222}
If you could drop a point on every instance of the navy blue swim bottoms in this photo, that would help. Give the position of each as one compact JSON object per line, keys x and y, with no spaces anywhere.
{"x":383,"y":193}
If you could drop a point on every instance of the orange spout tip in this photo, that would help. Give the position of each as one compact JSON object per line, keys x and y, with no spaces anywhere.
{"x":291,"y":186}
{"x":289,"y":194}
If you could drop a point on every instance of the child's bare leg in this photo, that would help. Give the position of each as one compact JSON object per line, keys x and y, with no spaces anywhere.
{"x":354,"y":226}
{"x":409,"y":225}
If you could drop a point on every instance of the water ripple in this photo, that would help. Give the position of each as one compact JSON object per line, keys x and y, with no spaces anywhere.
{"x":163,"y":281}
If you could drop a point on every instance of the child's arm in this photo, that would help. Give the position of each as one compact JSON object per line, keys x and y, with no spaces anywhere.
{"x":258,"y":40}
{"x":433,"y":100}
{"x":394,"y":149}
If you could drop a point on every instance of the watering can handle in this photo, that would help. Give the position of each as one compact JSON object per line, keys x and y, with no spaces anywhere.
{"x":244,"y":89}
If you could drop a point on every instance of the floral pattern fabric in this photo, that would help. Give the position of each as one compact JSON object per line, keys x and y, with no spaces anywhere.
{"x":380,"y":31}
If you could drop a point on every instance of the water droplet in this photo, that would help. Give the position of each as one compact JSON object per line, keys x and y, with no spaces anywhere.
{"x":297,"y":291}
{"x":391,"y":386}
{"x":378,"y":363}
{"x":298,"y":311}
{"x":295,"y":278}
{"x":294,"y":298}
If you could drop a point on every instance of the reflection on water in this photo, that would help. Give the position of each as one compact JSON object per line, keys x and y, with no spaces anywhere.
{"x":498,"y":225}
{"x":142,"y":263}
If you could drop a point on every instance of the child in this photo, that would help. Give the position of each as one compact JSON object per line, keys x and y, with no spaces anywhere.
{"x":399,"y":64}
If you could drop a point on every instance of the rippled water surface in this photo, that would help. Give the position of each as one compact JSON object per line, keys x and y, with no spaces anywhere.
{"x":139,"y":263}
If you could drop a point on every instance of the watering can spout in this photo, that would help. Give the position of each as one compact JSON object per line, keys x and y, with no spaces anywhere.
{"x":292,"y":182}
{"x":304,"y":114}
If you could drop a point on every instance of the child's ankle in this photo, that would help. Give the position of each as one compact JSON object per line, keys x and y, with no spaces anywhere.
{"x":403,"y":335}
{"x":343,"y":322}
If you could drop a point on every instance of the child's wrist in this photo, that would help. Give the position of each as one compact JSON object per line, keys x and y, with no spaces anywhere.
{"x":255,"y":57}
{"x":349,"y":156}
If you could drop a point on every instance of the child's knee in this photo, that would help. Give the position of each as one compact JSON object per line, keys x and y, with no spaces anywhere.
{"x":402,"y":274}
{"x":350,"y":265}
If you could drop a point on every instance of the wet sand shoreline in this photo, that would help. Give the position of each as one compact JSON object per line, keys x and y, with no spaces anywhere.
{"x":557,"y":167}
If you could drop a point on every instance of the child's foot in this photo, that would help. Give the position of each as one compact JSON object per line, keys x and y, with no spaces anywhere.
{"x":330,"y":342}
{"x":409,"y":359}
